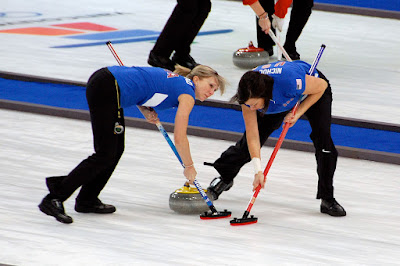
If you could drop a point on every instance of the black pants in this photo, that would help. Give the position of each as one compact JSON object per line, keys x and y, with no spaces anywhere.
{"x":182,"y":27}
{"x":263,"y":40}
{"x":93,"y":173}
{"x":301,"y":11}
{"x":319,"y":117}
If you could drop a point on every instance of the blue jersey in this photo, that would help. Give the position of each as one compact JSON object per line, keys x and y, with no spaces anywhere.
{"x":289,"y":83}
{"x":150,"y":86}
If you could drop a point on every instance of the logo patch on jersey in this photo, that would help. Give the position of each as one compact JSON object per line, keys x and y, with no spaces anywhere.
{"x":299,"y":84}
{"x":280,"y":64}
{"x":172,"y":74}
{"x":155,"y":100}
{"x":266,"y":66}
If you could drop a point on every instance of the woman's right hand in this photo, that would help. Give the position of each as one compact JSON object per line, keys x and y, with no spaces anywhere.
{"x":259,"y":180}
{"x":190,"y":174}
{"x":264,"y":23}
{"x":150,"y":114}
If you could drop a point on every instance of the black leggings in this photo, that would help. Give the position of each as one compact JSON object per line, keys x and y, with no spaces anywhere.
{"x":94,"y":172}
{"x":319,"y":117}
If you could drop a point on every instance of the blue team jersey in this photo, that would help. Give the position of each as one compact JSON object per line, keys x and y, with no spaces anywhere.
{"x":289,"y":83}
{"x":150,"y":86}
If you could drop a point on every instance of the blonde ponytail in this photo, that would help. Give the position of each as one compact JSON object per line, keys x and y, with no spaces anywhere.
{"x":181,"y":70}
{"x":201,"y":71}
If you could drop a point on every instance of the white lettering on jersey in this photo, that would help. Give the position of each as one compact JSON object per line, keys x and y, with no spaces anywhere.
{"x":271,"y":71}
{"x":155,"y":100}
{"x":189,"y":81}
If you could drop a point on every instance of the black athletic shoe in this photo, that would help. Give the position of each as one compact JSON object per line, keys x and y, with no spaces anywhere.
{"x":185,"y":61}
{"x":217,"y":186}
{"x":332,"y":207}
{"x":159,"y":61}
{"x":93,"y":206}
{"x":55,"y":208}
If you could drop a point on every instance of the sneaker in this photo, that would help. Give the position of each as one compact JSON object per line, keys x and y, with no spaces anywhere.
{"x":55,"y":208}
{"x":159,"y":61}
{"x":217,"y":186}
{"x":332,"y":207}
{"x":185,"y":61}
{"x":93,"y":206}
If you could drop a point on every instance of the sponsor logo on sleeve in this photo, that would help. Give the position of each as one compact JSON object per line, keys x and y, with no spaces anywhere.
{"x":299,"y":84}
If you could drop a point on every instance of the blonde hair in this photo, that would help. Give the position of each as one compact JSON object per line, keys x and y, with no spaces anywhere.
{"x":201,"y":71}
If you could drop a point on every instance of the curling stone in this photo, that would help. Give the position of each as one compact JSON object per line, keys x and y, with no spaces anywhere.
{"x":188,"y":200}
{"x":250,"y":57}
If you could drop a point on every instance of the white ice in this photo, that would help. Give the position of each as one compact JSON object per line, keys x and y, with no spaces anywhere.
{"x":144,"y":231}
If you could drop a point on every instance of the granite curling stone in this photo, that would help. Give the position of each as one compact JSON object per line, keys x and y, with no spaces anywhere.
{"x":250,"y":57}
{"x":188,"y":200}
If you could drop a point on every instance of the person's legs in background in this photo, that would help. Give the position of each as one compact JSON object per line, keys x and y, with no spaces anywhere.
{"x":178,"y":34}
{"x":301,"y":11}
{"x":182,"y":50}
{"x":263,"y":40}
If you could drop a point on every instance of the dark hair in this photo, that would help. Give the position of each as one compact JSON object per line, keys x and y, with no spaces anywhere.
{"x":254,"y":85}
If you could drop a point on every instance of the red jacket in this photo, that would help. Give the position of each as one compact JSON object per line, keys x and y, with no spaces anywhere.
{"x":281,"y":6}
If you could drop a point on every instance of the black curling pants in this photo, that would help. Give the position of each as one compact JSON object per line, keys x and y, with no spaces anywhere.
{"x":263,"y":40}
{"x":319,"y":117}
{"x":301,"y":11}
{"x":182,"y":27}
{"x":93,"y":173}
